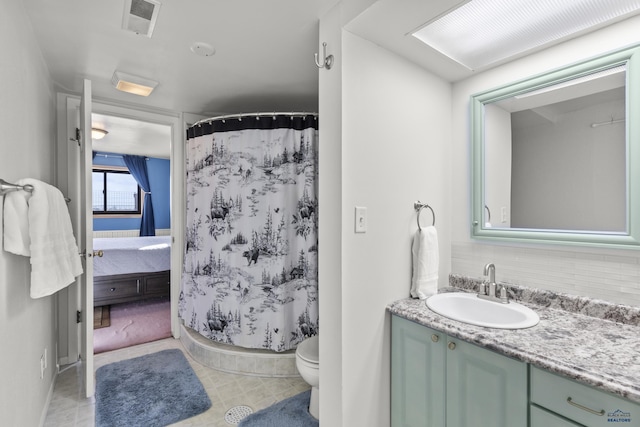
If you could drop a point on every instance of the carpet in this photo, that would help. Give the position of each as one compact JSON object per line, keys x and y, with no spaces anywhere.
{"x":134,"y":323}
{"x":291,"y":412}
{"x":101,"y":317}
{"x":153,"y":390}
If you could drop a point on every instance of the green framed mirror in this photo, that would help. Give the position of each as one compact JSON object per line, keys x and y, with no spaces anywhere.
{"x":556,"y":157}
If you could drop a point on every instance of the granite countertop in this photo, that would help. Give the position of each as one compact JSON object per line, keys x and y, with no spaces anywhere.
{"x":591,"y":341}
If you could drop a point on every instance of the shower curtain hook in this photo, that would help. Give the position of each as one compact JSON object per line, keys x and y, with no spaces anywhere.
{"x":327,"y":61}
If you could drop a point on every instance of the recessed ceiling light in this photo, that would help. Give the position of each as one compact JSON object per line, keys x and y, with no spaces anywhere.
{"x":133,"y":84}
{"x":484,"y":32}
{"x":203,"y":49}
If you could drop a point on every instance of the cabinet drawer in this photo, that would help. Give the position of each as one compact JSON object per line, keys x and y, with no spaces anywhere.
{"x":542,"y":418}
{"x":581,"y":403}
{"x":116,"y":289}
{"x":157,"y":285}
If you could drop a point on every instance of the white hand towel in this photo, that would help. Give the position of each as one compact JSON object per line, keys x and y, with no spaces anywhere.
{"x":425,"y":254}
{"x":55,"y":261}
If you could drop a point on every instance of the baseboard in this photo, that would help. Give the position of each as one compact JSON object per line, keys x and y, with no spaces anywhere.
{"x":128,"y":233}
{"x":45,"y":410}
{"x":63,"y":361}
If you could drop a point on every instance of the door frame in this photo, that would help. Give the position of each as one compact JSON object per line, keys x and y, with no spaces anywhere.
{"x":69,"y":343}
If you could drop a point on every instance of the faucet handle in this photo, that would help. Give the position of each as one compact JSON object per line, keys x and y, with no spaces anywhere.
{"x":503,"y":294}
{"x":483,"y":288}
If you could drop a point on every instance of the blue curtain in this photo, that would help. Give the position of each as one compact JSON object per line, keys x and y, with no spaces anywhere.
{"x":138,"y":167}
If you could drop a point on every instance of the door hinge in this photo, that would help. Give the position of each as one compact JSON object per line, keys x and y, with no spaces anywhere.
{"x":78,"y":316}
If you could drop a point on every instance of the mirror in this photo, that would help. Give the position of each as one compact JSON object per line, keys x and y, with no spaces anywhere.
{"x":555,"y":157}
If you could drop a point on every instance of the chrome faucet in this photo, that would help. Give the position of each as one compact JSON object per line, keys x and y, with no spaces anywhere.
{"x":488,"y":291}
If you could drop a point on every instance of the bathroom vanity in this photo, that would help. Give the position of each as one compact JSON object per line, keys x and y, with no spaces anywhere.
{"x":437,"y":377}
{"x":572,"y":369}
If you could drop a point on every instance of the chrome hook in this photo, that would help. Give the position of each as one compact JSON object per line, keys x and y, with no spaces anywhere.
{"x":327,"y":62}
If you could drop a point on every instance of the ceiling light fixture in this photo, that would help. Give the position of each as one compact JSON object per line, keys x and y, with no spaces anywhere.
{"x":133,"y":84}
{"x":97,"y":133}
{"x":484,"y":32}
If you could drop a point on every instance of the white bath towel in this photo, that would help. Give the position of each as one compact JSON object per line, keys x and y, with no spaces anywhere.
{"x":16,"y":225}
{"x":38,"y":225}
{"x":425,"y":255}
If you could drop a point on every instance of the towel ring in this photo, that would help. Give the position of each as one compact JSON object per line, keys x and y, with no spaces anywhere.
{"x":418,"y":206}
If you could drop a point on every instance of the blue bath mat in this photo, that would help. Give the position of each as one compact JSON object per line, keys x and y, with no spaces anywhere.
{"x":291,"y":412}
{"x":153,"y":390}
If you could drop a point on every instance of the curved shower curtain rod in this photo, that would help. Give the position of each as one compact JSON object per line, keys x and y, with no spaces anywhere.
{"x":240,"y":116}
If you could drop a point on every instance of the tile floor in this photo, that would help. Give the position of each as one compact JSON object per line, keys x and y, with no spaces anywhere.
{"x":68,"y":408}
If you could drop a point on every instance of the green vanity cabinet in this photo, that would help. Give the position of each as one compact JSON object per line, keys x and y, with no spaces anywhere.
{"x":417,"y":375}
{"x":439,"y":381}
{"x":542,"y":418}
{"x":579,"y":403}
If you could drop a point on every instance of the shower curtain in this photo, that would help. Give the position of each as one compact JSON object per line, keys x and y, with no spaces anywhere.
{"x":250,"y":267}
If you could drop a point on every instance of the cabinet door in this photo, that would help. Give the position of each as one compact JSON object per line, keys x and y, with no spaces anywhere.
{"x":417,"y":375}
{"x":484,"y":388}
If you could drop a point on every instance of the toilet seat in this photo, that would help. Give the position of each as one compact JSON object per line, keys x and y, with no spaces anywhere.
{"x":308,"y":350}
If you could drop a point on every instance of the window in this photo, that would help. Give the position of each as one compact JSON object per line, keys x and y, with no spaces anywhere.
{"x":115,"y":192}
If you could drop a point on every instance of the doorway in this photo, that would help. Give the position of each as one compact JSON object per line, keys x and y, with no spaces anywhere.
{"x":69,"y":341}
{"x":131,"y":177}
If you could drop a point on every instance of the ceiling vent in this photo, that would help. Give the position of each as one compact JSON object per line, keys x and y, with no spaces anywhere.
{"x":140,"y":16}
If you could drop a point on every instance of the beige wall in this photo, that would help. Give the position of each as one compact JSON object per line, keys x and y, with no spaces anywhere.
{"x":27,"y":133}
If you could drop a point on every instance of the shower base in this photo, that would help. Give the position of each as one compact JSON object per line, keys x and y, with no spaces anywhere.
{"x":238,"y":360}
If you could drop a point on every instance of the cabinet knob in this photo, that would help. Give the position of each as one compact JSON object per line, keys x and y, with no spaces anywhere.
{"x":435,"y":338}
{"x":451,"y":345}
{"x":112,"y":289}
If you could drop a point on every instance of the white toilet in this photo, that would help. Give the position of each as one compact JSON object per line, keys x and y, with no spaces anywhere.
{"x":307,"y":364}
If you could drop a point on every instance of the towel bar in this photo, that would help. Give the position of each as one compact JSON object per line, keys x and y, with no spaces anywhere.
{"x":418,"y":206}
{"x":6,"y":187}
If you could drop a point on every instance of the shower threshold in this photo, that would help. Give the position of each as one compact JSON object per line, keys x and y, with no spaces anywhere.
{"x":238,"y":360}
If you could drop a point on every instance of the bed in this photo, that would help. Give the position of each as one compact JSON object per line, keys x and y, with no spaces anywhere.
{"x":131,"y":269}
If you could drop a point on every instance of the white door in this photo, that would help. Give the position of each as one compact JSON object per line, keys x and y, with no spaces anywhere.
{"x":86,"y":240}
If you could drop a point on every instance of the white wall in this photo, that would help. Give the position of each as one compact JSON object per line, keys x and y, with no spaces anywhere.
{"x":330,"y":224}
{"x":613,"y":275}
{"x":27,"y":134}
{"x":395,"y":150}
{"x":498,"y":167}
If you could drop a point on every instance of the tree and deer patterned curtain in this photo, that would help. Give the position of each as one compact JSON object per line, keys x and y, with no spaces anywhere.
{"x":250,"y":267}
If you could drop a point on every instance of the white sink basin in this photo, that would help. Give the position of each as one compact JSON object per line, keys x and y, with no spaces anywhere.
{"x":468,"y":308}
